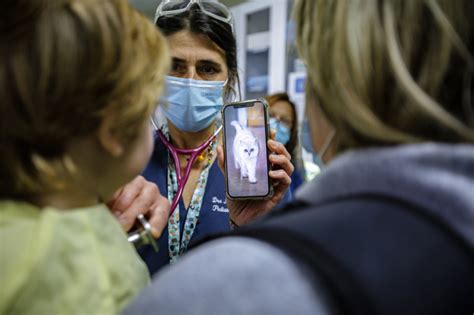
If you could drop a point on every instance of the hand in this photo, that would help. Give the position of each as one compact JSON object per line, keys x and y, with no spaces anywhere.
{"x":245,"y":211}
{"x":140,"y":197}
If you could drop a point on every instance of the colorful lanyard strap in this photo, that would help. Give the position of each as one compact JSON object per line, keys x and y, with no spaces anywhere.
{"x":177,"y":242}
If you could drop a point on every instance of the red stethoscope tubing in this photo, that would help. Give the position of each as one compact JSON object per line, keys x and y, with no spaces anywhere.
{"x":193,"y":153}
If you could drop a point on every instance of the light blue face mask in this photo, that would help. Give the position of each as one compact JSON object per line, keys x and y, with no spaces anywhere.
{"x":192,"y":105}
{"x":282,"y":132}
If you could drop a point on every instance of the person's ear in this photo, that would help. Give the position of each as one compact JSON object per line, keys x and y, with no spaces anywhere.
{"x":109,"y":141}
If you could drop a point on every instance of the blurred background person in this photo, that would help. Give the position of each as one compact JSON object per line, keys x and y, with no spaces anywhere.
{"x":284,"y":121}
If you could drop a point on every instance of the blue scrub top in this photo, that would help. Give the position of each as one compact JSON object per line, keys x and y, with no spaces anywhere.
{"x":297,"y":180}
{"x":214,"y":215}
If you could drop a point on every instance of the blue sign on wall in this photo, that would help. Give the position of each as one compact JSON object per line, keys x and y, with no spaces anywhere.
{"x":300,"y":85}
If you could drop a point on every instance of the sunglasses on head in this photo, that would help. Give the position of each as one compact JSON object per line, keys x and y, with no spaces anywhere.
{"x":214,"y":9}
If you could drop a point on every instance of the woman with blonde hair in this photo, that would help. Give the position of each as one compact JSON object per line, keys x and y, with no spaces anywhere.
{"x":78,"y":83}
{"x":388,"y":226}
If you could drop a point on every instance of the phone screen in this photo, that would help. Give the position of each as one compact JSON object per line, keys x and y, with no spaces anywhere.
{"x":245,"y":132}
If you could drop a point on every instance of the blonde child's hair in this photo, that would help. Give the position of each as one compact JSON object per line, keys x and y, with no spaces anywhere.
{"x":390,"y":71}
{"x":64,"y":66}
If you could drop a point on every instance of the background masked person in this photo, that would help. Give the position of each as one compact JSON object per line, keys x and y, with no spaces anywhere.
{"x":388,"y":225}
{"x":284,"y":121}
{"x":202,"y":77}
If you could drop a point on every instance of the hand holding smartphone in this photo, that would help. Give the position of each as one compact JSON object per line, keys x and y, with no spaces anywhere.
{"x":245,"y":145}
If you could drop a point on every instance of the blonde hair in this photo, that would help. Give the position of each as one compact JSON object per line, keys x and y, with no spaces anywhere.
{"x":64,"y":66}
{"x":389,"y":71}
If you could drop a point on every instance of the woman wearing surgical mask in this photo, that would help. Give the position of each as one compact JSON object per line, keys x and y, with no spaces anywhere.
{"x":202,"y":77}
{"x":284,"y":122}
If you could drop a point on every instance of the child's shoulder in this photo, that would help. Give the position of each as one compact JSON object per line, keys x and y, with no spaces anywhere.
{"x":24,"y":226}
{"x":71,"y":253}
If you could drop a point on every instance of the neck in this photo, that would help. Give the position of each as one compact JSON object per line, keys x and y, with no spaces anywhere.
{"x":189,"y":140}
{"x":71,"y":191}
{"x":67,"y":198}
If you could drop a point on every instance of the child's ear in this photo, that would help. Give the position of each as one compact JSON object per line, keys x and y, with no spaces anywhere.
{"x":107,"y":139}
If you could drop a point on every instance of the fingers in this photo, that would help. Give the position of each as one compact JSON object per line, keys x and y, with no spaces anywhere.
{"x":124,"y":197}
{"x":280,"y":178}
{"x":159,"y":216}
{"x":282,"y":162}
{"x":272,"y":134}
{"x":111,"y":202}
{"x":140,"y":197}
{"x":278,"y":148}
{"x":282,"y":166}
{"x":142,"y":204}
{"x":220,"y":158}
{"x":281,"y":159}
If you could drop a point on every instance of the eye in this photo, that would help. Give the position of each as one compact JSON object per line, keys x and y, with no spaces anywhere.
{"x":207,"y":70}
{"x":251,"y":150}
{"x":287,"y":122}
{"x":245,"y":150}
{"x":178,"y":68}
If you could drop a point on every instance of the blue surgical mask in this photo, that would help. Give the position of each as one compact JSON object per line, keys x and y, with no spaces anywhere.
{"x":192,"y":105}
{"x":282,"y":132}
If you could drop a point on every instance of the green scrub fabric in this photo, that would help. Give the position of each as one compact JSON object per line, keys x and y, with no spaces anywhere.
{"x":65,"y":262}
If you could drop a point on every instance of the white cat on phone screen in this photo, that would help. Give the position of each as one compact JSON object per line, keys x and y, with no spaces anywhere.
{"x":245,"y":149}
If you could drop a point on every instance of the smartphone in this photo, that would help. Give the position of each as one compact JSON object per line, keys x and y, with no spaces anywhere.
{"x":246,"y":135}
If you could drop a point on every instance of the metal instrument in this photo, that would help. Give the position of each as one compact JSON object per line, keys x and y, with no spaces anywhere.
{"x":143,"y":236}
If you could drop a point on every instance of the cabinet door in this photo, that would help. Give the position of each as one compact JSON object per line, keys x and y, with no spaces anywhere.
{"x":260,"y":28}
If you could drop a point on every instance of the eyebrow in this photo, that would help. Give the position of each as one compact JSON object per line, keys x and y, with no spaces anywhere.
{"x":210,"y":62}
{"x":201,"y":61}
{"x":178,"y":60}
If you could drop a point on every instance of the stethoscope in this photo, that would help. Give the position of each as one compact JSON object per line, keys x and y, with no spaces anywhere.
{"x":143,"y":236}
{"x":193,"y":155}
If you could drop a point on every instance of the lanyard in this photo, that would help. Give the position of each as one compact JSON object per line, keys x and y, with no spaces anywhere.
{"x":177,"y":241}
{"x":193,"y":154}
